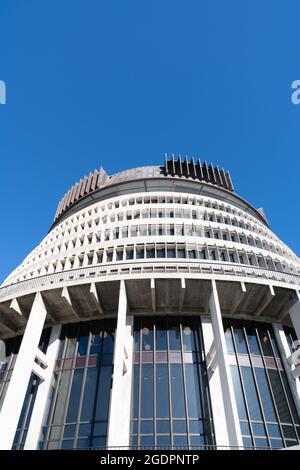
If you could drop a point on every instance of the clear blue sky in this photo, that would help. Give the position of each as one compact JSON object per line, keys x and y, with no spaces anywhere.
{"x":118,"y":83}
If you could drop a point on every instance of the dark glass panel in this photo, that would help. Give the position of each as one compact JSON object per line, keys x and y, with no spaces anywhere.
{"x":137,"y":340}
{"x":252,"y":340}
{"x":196,"y":427}
{"x":74,"y":396}
{"x":280,"y":400}
{"x":107,"y":342}
{"x":239,"y":396}
{"x":240,"y":341}
{"x":289,"y":432}
{"x":147,"y":426}
{"x":274,"y":430}
{"x":100,"y":429}
{"x":177,"y":390}
{"x":61,"y":399}
{"x":99,"y":442}
{"x":83,"y":443}
{"x":245,"y":429}
{"x":83,"y":340}
{"x":68,"y":444}
{"x":179,"y":426}
{"x":197,"y":441}
{"x":276,"y":443}
{"x":103,"y":394}
{"x":290,"y":398}
{"x":147,"y":336}
{"x":95,"y":347}
{"x":163,"y":440}
{"x":161,"y":336}
{"x":180,"y":440}
{"x":265,"y":342}
{"x":258,"y":429}
{"x":147,"y":391}
{"x":247,"y":441}
{"x":162,"y":426}
{"x":265,"y":395}
{"x":251,"y":395}
{"x":147,"y":441}
{"x":188,"y":337}
{"x":89,"y":394}
{"x":193,"y":391}
{"x":261,"y":442}
{"x":174,"y":336}
{"x":162,"y":391}
{"x":69,"y":430}
{"x":229,"y":341}
{"x":135,"y":398}
{"x":84,"y":430}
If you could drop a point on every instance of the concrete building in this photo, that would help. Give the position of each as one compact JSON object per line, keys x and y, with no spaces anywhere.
{"x":159,"y":311}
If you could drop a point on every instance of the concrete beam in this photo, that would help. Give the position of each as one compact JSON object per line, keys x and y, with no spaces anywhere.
{"x":67,"y":299}
{"x":120,"y":401}
{"x":153,"y":294}
{"x":270,"y":294}
{"x":15,"y":306}
{"x":231,"y":413}
{"x":181,"y":294}
{"x":294,"y":312}
{"x":95,"y":297}
{"x":239,"y":299}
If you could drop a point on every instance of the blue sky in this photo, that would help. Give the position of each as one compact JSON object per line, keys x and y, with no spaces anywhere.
{"x":118,"y":83}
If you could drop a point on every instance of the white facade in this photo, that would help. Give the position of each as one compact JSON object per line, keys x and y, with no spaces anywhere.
{"x":151,"y":247}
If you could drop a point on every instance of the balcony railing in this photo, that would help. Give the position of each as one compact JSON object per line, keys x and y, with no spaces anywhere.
{"x":144,"y":267}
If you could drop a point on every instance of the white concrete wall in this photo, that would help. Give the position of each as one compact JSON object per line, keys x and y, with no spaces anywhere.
{"x":12,"y":406}
{"x":232,"y":420}
{"x":41,"y":398}
{"x":120,"y":401}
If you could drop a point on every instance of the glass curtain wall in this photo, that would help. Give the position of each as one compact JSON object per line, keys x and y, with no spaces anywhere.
{"x":170,"y":401}
{"x":78,"y":406}
{"x":267,"y":412}
{"x":29,"y":400}
{"x":8,"y":354}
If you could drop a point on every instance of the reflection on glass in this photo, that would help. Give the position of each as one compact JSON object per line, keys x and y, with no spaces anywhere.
{"x":162,"y":391}
{"x":240,"y":341}
{"x":177,"y":390}
{"x":147,"y":391}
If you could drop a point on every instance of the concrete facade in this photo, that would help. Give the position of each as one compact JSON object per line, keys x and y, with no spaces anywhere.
{"x":141,"y":248}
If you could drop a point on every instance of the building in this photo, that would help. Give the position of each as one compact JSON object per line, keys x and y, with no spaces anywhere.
{"x":160,"y":310}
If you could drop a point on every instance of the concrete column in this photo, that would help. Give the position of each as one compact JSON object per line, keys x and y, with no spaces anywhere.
{"x":215,"y":387}
{"x":12,"y":406}
{"x":120,"y":401}
{"x":295,"y":315}
{"x":285,"y":354}
{"x":232,"y":420}
{"x":42,"y":395}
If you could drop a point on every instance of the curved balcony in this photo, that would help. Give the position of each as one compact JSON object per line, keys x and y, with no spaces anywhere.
{"x":155,"y":268}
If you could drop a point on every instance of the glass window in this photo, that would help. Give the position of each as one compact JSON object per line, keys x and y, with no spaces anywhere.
{"x":239,"y":396}
{"x":162,"y":391}
{"x":161,"y":336}
{"x":166,"y":386}
{"x":177,"y":390}
{"x":174,"y":336}
{"x":147,"y":391}
{"x":194,"y":400}
{"x":253,"y":341}
{"x":240,"y":341}
{"x":252,"y":398}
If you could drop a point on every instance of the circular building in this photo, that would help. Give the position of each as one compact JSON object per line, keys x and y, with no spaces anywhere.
{"x":160,"y":311}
